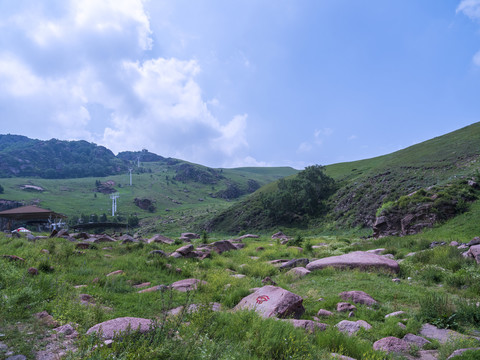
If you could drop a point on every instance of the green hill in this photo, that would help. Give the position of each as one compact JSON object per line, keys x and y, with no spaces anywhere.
{"x":363,"y":186}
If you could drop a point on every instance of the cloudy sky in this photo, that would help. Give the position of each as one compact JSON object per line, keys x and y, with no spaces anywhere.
{"x":240,"y":82}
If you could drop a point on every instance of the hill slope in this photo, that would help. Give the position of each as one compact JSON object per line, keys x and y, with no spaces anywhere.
{"x":363,"y":186}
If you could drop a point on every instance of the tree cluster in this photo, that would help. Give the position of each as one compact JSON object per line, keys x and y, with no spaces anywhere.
{"x":304,"y":194}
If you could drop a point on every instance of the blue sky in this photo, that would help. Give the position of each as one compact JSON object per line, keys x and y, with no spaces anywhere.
{"x":241,"y":83}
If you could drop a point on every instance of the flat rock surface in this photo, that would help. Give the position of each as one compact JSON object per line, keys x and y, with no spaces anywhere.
{"x":356,"y":260}
{"x":308,"y":325}
{"x":392,"y":344}
{"x":351,"y":327}
{"x":358,"y":297}
{"x":461,"y":351}
{"x":298,"y":272}
{"x":108,"y":329}
{"x":442,"y":335}
{"x":273,"y":301}
{"x":187,"y":284}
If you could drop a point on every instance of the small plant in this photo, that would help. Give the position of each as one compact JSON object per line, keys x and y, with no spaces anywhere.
{"x":205,"y":236}
{"x":297,"y":241}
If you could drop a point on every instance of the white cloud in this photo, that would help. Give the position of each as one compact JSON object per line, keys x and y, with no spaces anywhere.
{"x":89,"y":54}
{"x":352,"y":137}
{"x":476,"y":59}
{"x":471,"y":8}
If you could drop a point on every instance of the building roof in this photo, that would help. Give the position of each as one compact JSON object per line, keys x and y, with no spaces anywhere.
{"x":30,"y":212}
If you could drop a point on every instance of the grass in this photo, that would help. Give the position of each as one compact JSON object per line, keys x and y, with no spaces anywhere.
{"x":217,"y":335}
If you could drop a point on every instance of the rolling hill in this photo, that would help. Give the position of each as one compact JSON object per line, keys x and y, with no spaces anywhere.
{"x":363,"y":186}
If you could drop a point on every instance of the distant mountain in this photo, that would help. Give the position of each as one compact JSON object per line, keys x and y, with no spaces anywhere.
{"x":363,"y":186}
{"x":21,"y":156}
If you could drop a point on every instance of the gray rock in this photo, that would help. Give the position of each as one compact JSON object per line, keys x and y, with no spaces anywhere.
{"x":442,"y":335}
{"x":324,"y":313}
{"x":223,"y":245}
{"x":184,"y":250}
{"x":351,"y":327}
{"x":345,"y":307}
{"x":109,"y":329}
{"x":356,"y":260}
{"x":16,"y":357}
{"x":160,"y":239}
{"x":294,"y":263}
{"x":308,"y":325}
{"x":358,"y":297}
{"x":341,"y":357}
{"x":298,"y":272}
{"x":461,"y":351}
{"x":187,"y":284}
{"x":158,"y":253}
{"x":416,"y":340}
{"x":273,"y":301}
{"x":392,"y":344}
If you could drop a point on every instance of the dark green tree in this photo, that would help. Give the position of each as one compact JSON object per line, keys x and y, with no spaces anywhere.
{"x":304,"y":194}
{"x":1,"y":189}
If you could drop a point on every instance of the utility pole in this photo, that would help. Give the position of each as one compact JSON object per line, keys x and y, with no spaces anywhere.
{"x":130,"y":170}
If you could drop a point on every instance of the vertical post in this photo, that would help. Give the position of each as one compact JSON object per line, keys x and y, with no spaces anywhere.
{"x":130,"y":170}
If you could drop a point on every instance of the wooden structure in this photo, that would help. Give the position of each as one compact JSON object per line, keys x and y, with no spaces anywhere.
{"x":29,"y":215}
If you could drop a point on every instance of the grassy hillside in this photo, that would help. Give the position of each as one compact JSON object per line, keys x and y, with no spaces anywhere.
{"x":177,"y":203}
{"x":363,"y":186}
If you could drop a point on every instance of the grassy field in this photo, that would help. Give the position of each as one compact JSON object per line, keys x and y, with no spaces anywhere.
{"x":177,"y":203}
{"x":435,"y":284}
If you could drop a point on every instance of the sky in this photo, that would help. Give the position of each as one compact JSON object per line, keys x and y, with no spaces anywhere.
{"x":240,"y":82}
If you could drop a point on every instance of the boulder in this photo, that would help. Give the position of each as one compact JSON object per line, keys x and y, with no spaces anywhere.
{"x":351,"y":327}
{"x":104,"y":238}
{"x":309,"y":325}
{"x":13,"y":257}
{"x":298,"y":272}
{"x":194,"y":308}
{"x":157,"y":238}
{"x":280,"y":235}
{"x":392,"y":344}
{"x":142,"y":285}
{"x":474,"y":241}
{"x":442,"y":335}
{"x":461,"y":351}
{"x":356,"y":260}
{"x":32,"y":271}
{"x":184,"y":250}
{"x":474,"y":252}
{"x":189,"y":236}
{"x":268,"y":281}
{"x":109,"y":329}
{"x":46,"y":319}
{"x":187,"y":284}
{"x":416,"y":340}
{"x":273,"y":301}
{"x":294,"y":263}
{"x":222,"y":246}
{"x":324,"y":313}
{"x":278,"y":262}
{"x":126,"y":239}
{"x":248,"y":236}
{"x":153,"y":288}
{"x":341,"y":357}
{"x":344,"y":307}
{"x":82,"y":245}
{"x":358,"y":297}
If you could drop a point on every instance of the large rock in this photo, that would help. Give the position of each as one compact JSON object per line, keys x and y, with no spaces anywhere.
{"x":184,"y":250}
{"x":273,"y":301}
{"x":309,"y":325}
{"x":298,"y":272}
{"x":351,"y":327}
{"x":223,"y":245}
{"x":416,"y":340}
{"x":392,"y":344}
{"x":187,"y":284}
{"x":356,"y":260}
{"x":294,"y":263}
{"x":189,"y":236}
{"x":358,"y":297}
{"x":474,"y":252}
{"x":157,"y":238}
{"x":442,"y":335}
{"x":461,"y":351}
{"x":109,"y":329}
{"x":279,"y":235}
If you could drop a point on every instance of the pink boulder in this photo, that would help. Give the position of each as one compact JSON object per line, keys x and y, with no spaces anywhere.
{"x":273,"y":301}
{"x":355,"y":260}
{"x":109,"y":329}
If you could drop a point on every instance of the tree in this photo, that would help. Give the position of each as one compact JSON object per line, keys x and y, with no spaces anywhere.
{"x":304,"y":194}
{"x":1,"y":189}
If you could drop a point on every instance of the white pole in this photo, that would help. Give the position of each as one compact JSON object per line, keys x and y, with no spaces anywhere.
{"x":130,"y":176}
